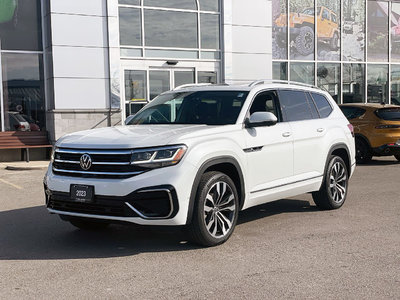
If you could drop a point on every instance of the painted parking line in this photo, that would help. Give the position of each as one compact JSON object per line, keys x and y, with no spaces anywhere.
{"x":12,"y":184}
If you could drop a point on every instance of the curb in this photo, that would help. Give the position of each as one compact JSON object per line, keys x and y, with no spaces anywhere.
{"x":13,"y":168}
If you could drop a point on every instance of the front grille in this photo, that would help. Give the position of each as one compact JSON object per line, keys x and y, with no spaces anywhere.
{"x":100,"y":206}
{"x":104,"y":163}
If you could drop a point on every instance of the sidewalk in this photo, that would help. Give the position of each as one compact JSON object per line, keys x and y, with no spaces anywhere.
{"x":23,"y":165}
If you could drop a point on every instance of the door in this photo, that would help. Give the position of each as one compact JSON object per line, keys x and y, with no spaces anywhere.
{"x":308,"y":132}
{"x":269,"y":149}
{"x":142,"y":83}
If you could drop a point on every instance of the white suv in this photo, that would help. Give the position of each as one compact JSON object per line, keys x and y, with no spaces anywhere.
{"x":197,"y":155}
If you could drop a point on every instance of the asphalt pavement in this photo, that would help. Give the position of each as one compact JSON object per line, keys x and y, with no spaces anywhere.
{"x":284,"y":249}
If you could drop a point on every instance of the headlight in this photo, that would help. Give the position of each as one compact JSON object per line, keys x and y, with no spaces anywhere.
{"x":53,"y":151}
{"x":158,"y":157}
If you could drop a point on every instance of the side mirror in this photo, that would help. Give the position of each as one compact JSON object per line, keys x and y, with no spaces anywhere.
{"x":261,"y":118}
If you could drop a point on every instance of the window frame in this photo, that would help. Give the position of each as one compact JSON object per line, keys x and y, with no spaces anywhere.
{"x":316,"y":106}
{"x":278,"y":107}
{"x":284,"y":113}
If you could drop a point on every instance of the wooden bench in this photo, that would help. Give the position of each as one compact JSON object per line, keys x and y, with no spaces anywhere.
{"x":24,"y":140}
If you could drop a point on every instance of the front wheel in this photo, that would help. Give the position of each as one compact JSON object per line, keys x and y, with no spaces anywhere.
{"x":333,"y":191}
{"x":397,"y":156}
{"x":215,"y":210}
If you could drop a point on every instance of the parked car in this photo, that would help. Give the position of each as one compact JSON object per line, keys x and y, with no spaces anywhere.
{"x":33,"y":125}
{"x":197,"y":155}
{"x":376,"y":128}
{"x":302,"y":29}
{"x":17,"y":122}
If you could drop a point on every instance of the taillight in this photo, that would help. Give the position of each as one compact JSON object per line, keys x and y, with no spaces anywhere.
{"x":19,"y":126}
{"x":387,"y":126}
{"x":351,"y":127}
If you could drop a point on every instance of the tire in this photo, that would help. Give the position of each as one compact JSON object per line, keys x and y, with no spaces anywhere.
{"x":215,"y":211}
{"x":397,"y":156}
{"x":363,"y":151}
{"x":333,"y":191}
{"x":305,"y":41}
{"x":86,"y":223}
{"x":334,"y":42}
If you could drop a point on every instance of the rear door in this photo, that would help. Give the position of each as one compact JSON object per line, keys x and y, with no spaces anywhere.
{"x":309,"y":151}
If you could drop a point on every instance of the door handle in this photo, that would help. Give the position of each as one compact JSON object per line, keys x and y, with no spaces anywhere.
{"x":286,"y":134}
{"x":321,"y":129}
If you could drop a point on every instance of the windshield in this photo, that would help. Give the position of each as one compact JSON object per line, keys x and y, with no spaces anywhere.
{"x":389,"y":114}
{"x":202,"y":107}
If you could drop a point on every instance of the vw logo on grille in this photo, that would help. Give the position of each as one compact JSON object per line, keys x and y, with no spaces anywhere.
{"x":85,"y":162}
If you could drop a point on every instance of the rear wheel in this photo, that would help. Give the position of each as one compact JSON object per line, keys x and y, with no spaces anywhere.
{"x":397,"y":156}
{"x":215,"y":210}
{"x":86,"y":223}
{"x":363,"y":151}
{"x":333,"y":191}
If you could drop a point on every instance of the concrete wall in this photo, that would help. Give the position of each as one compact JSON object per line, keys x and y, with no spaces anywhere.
{"x":78,"y":72}
{"x":247,"y":27}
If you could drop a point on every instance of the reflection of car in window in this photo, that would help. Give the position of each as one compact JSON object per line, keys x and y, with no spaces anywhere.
{"x":17,"y":122}
{"x":302,"y":29}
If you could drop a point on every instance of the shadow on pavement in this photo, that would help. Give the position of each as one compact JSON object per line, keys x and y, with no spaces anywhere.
{"x":33,"y":234}
{"x":380,"y":163}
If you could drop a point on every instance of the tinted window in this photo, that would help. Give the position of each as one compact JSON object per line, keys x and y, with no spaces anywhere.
{"x":295,"y":106}
{"x":352,"y":112}
{"x":206,"y":107}
{"x":170,"y":29}
{"x":266,"y":102}
{"x":313,"y":109}
{"x":389,"y":113}
{"x":323,"y":105}
{"x":20,"y":25}
{"x":181,"y":4}
{"x":129,"y":26}
{"x":209,"y":31}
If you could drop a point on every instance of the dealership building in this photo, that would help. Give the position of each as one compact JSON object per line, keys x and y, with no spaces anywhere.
{"x":75,"y":65}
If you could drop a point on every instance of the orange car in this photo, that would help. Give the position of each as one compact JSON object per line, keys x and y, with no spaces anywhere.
{"x":376,"y":128}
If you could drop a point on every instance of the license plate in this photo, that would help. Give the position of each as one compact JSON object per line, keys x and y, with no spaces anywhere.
{"x":82,"y":193}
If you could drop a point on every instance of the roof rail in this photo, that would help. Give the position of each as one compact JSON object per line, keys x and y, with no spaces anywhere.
{"x":190,"y":85}
{"x":262,"y":81}
{"x":197,"y":84}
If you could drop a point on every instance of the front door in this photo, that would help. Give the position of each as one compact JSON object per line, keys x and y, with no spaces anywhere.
{"x":269,"y":149}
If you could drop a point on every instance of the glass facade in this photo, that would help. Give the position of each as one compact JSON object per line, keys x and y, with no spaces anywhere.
{"x":170,"y":29}
{"x":349,"y":48}
{"x":21,"y":61}
{"x":178,"y":39}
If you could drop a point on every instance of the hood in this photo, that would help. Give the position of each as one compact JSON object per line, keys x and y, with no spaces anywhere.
{"x":123,"y":137}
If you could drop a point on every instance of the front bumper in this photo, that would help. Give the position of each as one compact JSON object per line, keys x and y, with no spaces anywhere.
{"x":157,"y":197}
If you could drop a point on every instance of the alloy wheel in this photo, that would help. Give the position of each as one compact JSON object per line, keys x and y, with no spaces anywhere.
{"x":338,"y":182}
{"x":219,"y":209}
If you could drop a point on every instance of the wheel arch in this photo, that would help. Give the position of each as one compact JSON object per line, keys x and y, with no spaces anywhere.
{"x":343,"y":152}
{"x":225,"y":164}
{"x":363,"y":137}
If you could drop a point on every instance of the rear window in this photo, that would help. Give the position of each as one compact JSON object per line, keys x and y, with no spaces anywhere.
{"x":352,"y":112}
{"x":389,"y":114}
{"x":295,"y":106}
{"x":322,"y":104}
